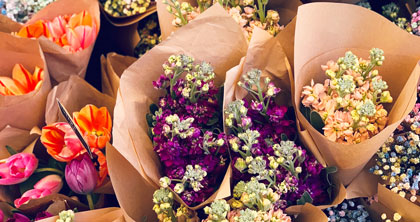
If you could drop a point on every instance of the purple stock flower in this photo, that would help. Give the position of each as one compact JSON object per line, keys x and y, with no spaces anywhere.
{"x":42,"y":215}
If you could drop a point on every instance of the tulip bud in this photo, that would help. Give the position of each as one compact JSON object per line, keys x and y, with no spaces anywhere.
{"x":17,"y":168}
{"x":81,"y":175}
{"x":48,"y":185}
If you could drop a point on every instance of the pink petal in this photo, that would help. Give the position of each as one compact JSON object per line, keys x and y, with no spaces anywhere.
{"x":52,"y":182}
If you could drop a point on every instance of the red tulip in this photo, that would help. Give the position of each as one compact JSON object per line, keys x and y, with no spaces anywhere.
{"x":61,"y":142}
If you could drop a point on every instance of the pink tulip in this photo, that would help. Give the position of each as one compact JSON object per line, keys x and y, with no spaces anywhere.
{"x":57,"y":27}
{"x":81,"y":175}
{"x":1,"y":216}
{"x":81,"y":37}
{"x":17,"y":168}
{"x":48,"y":185}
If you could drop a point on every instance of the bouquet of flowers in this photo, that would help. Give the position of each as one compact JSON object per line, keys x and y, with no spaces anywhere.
{"x":349,"y":103}
{"x":72,"y":32}
{"x":348,"y":210}
{"x":40,"y":175}
{"x":397,"y":161}
{"x":22,"y":81}
{"x":248,"y":14}
{"x":186,"y":128}
{"x":118,"y":8}
{"x":262,"y":148}
{"x":149,"y":32}
{"x":22,"y":11}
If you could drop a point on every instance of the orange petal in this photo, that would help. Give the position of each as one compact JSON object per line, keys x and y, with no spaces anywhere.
{"x":34,"y":30}
{"x":103,"y":166}
{"x":23,"y":79}
{"x":82,"y":18}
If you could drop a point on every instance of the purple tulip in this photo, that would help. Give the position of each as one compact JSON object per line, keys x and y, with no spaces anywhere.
{"x":18,"y":218}
{"x":81,"y":175}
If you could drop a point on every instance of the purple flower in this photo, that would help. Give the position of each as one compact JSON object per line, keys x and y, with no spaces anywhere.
{"x":81,"y":175}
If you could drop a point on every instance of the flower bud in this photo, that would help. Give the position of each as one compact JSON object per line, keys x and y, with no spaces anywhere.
{"x":164,"y":182}
{"x":81,"y":175}
{"x":179,"y":188}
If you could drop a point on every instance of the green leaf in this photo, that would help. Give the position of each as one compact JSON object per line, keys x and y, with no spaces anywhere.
{"x":306,"y":111}
{"x":149,"y":119}
{"x":306,"y":198}
{"x":212,"y":121}
{"x":283,"y":137}
{"x":326,"y":174}
{"x":316,"y":121}
{"x":11,"y":150}
{"x":153,"y":108}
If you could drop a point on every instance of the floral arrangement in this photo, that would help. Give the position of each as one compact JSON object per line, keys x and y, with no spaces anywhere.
{"x":248,"y":14}
{"x":397,"y":162}
{"x":22,"y":11}
{"x":252,"y":201}
{"x":348,"y":107}
{"x":22,"y":81}
{"x":41,"y":175}
{"x":365,"y":4}
{"x":390,"y":11}
{"x":261,"y":148}
{"x":119,"y":8}
{"x":149,"y":35}
{"x":72,"y":32}
{"x":349,"y":210}
{"x":186,"y":129}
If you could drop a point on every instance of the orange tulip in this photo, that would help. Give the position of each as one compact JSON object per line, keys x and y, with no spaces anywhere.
{"x":81,"y":19}
{"x":22,"y":83}
{"x":34,"y":30}
{"x":103,"y":166}
{"x":95,"y":125}
{"x":61,"y":142}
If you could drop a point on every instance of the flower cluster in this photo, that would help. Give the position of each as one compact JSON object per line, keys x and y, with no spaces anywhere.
{"x":350,"y":100}
{"x":22,"y":82}
{"x":164,"y":206}
{"x":248,"y":14}
{"x":72,"y":32}
{"x":365,"y":4}
{"x":395,"y":217}
{"x":391,"y":11}
{"x":253,"y":201}
{"x":22,"y":11}
{"x":63,"y":145}
{"x":397,"y":162}
{"x":349,"y":210}
{"x":186,"y":129}
{"x":149,"y":35}
{"x":66,"y":216}
{"x":261,"y":148}
{"x":415,"y":22}
{"x":118,"y":8}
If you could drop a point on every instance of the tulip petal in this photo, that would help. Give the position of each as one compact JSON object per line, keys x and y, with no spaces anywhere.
{"x":103,"y":166}
{"x":81,"y":19}
{"x":30,"y":195}
{"x":52,"y":182}
{"x":34,"y":30}
{"x":8,"y":87}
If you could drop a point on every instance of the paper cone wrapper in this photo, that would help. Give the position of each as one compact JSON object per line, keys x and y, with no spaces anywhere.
{"x":24,"y":111}
{"x":61,"y":63}
{"x":400,"y":70}
{"x":112,"y":67}
{"x":310,"y":213}
{"x":213,"y":37}
{"x":365,"y":184}
{"x":287,"y":40}
{"x":74,"y":94}
{"x":37,"y":205}
{"x":286,"y":8}
{"x":112,"y":214}
{"x":337,"y":1}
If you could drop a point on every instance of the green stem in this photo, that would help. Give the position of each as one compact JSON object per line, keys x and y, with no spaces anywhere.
{"x":261,"y":11}
{"x":90,"y":201}
{"x":49,"y":169}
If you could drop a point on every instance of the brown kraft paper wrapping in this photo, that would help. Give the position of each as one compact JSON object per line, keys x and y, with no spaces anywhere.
{"x":265,"y":53}
{"x":400,"y":70}
{"x":61,"y":63}
{"x":286,"y":8}
{"x":112,"y":67}
{"x":112,"y":214}
{"x":216,"y":39}
{"x":21,"y":113}
{"x":74,"y":94}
